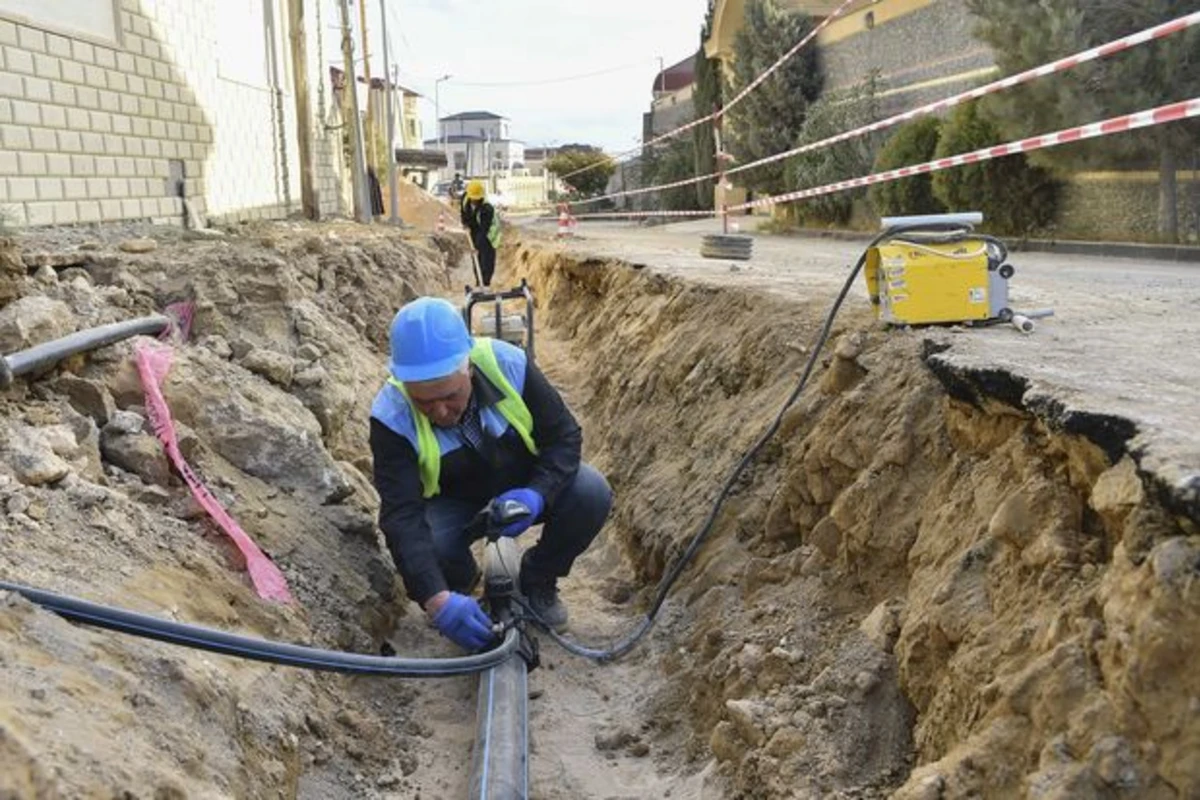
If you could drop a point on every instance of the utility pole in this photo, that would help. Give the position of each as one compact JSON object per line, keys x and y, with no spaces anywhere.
{"x":358,"y":170}
{"x":390,"y":87}
{"x":369,"y":136}
{"x":437,"y":113}
{"x":299,"y":41}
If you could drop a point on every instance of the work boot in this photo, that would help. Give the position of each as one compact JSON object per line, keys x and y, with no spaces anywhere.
{"x":542,"y":598}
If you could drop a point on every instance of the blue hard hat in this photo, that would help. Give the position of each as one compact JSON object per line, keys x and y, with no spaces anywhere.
{"x":429,"y":340}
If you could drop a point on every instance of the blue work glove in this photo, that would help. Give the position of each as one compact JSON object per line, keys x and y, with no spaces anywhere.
{"x":528,"y":498}
{"x":462,"y":621}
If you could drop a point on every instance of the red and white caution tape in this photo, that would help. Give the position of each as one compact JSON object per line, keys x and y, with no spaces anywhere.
{"x":1061,"y":65}
{"x":1174,"y":112}
{"x":739,"y":97}
{"x":648,"y":189}
{"x":153,"y":363}
{"x":788,"y":56}
{"x":634,"y":214}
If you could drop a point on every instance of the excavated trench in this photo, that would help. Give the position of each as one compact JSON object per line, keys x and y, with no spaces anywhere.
{"x":920,"y":589}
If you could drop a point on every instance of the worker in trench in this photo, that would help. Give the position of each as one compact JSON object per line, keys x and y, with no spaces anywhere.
{"x":483,"y":225}
{"x":461,"y":422}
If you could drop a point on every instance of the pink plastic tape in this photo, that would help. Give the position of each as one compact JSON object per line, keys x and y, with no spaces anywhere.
{"x":153,"y":363}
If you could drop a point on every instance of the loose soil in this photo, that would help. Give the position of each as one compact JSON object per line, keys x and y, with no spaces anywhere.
{"x":919,"y":589}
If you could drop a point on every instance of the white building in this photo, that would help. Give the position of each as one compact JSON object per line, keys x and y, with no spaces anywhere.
{"x":128,"y":109}
{"x":478,"y":143}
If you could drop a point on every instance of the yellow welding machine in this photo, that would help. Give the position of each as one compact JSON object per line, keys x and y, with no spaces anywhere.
{"x":929,"y":277}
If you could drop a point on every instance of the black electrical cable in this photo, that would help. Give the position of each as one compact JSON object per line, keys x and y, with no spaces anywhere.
{"x":631,"y":639}
{"x":291,"y":655}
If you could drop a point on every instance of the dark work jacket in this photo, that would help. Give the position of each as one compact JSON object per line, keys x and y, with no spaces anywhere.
{"x":478,"y":220}
{"x":470,"y":476}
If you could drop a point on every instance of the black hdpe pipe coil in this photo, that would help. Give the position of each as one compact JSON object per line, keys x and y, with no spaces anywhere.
{"x":290,"y":655}
{"x":630,"y":640}
{"x":50,"y":353}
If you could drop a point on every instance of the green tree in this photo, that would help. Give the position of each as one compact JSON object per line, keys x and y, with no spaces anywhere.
{"x":768,"y":119}
{"x":671,"y":161}
{"x":913,"y":143}
{"x":597,"y":166}
{"x":834,"y":113}
{"x":1025,"y":33}
{"x":1015,"y":196}
{"x":707,"y":97}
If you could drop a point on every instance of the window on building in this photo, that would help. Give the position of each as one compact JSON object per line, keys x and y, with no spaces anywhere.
{"x":95,"y":18}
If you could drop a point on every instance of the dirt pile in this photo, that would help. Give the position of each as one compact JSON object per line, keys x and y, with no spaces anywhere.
{"x":421,"y":209}
{"x":272,"y":402}
{"x":910,"y":594}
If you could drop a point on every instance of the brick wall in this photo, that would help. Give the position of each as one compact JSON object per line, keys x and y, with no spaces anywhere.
{"x":94,"y":130}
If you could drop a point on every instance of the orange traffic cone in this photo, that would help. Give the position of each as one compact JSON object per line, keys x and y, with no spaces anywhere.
{"x":565,"y":227}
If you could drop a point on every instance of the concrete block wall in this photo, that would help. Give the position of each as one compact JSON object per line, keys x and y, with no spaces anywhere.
{"x":94,"y":130}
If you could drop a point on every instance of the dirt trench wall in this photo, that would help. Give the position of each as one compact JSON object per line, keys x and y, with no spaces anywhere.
{"x":271,"y":398}
{"x":909,"y":594}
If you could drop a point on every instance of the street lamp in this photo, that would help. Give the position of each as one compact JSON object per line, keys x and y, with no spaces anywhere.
{"x":437,"y":113}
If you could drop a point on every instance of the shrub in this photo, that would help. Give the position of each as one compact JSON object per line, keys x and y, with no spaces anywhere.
{"x":832,"y":114}
{"x":1014,"y":196}
{"x":913,"y":143}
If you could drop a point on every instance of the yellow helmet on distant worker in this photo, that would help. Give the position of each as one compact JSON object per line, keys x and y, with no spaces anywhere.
{"x":475,"y":190}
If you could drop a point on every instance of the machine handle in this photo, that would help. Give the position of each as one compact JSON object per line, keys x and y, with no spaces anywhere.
{"x":495,"y":517}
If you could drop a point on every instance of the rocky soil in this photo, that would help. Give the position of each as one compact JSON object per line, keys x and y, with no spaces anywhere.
{"x":272,"y":399}
{"x":920,"y":589}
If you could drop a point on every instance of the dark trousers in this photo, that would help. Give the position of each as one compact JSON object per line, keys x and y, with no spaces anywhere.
{"x":569,"y":527}
{"x":487,"y":259}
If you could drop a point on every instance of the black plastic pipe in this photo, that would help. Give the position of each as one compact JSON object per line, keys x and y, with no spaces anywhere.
{"x":232,"y":644}
{"x":49,"y":353}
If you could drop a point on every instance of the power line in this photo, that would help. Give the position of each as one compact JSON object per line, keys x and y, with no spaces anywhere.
{"x":720,"y":112}
{"x":538,"y":81}
{"x":548,"y":81}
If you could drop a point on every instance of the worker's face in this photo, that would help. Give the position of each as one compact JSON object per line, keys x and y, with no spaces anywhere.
{"x":443,"y":400}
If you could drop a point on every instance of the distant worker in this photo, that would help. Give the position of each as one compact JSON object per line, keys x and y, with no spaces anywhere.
{"x":457,"y":187}
{"x":480,"y":220}
{"x":461,"y":422}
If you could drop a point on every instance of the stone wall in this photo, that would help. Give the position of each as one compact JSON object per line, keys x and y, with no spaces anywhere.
{"x":198,"y":91}
{"x":923,"y":51}
{"x":1124,"y":207}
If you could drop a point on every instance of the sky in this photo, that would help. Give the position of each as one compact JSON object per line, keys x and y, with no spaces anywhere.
{"x":530,"y":41}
